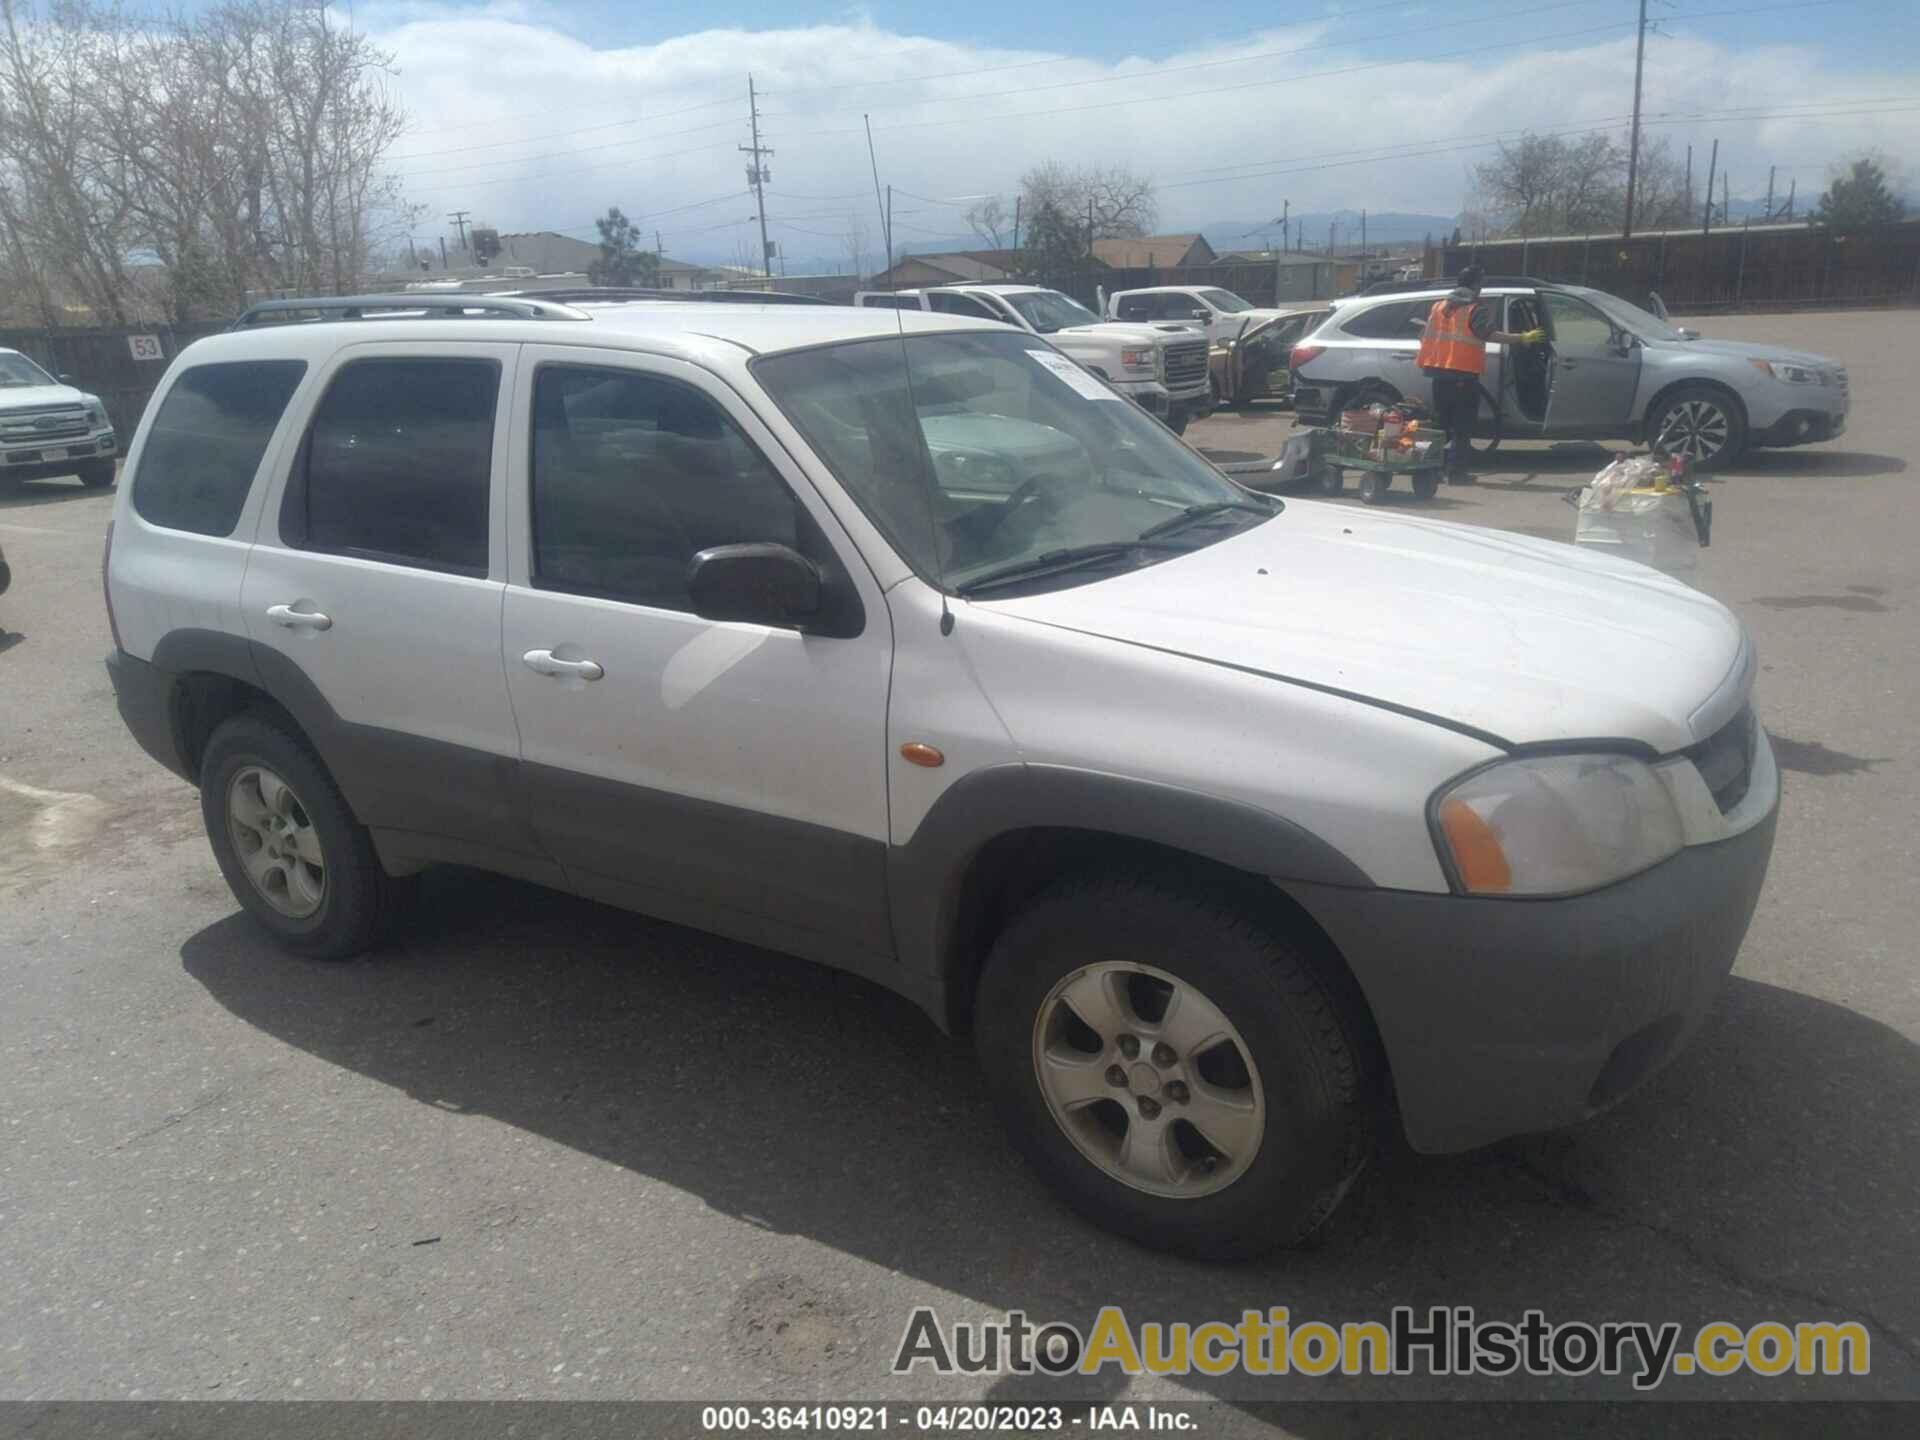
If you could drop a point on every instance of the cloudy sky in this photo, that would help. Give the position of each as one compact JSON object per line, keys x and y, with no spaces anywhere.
{"x":539,"y":114}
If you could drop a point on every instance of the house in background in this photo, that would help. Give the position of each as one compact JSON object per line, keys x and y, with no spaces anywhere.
{"x":546,"y":252}
{"x":948,"y":267}
{"x":1299,"y":274}
{"x":1155,"y":252}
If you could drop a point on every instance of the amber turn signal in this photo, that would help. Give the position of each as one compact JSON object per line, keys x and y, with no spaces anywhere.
{"x":1476,"y":851}
{"x":914,"y":753}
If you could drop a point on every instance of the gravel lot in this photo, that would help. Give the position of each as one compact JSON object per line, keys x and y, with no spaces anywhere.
{"x":542,"y":1149}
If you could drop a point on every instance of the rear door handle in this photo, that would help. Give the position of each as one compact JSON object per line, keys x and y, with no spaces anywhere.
{"x":545,"y":662}
{"x":294,"y":619}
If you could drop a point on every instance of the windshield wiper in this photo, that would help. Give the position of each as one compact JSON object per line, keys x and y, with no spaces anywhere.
{"x":1200,"y":512}
{"x":1071,"y":557}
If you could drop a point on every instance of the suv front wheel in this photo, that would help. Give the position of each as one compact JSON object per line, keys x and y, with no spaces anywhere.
{"x":290,"y":849}
{"x":1173,"y":1065}
{"x":1701,"y":423}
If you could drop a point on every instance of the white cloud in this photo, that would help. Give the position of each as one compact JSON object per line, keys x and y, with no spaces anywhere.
{"x":530,"y":126}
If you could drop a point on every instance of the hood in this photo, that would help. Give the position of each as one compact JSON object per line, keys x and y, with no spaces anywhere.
{"x":29,"y":396}
{"x":1116,"y":331}
{"x":1747,"y":350}
{"x":1524,"y":640}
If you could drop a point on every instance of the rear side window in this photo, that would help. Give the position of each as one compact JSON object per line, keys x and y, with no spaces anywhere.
{"x":397,"y":465}
{"x":206,"y":441}
{"x":634,"y":475}
{"x":961,"y":305}
{"x":1389,"y":322}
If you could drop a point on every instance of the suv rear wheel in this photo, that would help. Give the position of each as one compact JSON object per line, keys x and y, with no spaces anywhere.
{"x":97,"y":475}
{"x":290,"y":849}
{"x":1174,"y":1066}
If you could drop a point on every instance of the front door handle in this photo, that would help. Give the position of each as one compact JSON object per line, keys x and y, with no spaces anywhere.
{"x":545,"y":662}
{"x":294,"y":619}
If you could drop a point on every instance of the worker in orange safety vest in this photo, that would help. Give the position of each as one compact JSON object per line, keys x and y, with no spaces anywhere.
{"x":1453,"y":354}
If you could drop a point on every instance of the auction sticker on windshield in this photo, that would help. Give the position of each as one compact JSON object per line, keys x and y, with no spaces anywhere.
{"x":1083,"y":383}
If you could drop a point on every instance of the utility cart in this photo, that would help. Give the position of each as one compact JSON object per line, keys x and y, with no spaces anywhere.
{"x":1381,"y":446}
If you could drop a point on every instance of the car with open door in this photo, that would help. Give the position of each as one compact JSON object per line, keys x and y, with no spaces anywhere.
{"x":1608,"y":371}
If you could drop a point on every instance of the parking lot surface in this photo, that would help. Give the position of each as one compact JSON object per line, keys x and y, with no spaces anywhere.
{"x":537,"y":1148}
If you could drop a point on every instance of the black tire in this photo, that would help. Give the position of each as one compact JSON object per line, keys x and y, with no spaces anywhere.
{"x":1368,"y":392}
{"x":96,"y":476}
{"x":359,"y":897}
{"x":1299,"y":1026}
{"x":1332,"y":480}
{"x":1374,"y":487}
{"x":1694,"y":432}
{"x":1426,"y":484}
{"x":1177,"y":422}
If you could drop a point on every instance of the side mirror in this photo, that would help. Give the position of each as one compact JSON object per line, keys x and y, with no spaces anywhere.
{"x":1623,"y":343}
{"x":1686,"y":334}
{"x":64,"y":378}
{"x":1199,"y":315}
{"x":760,"y":584}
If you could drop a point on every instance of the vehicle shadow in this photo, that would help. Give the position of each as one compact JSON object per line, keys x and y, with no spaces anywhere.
{"x":23,"y":494}
{"x":1770,"y":1171}
{"x":1841,"y":464}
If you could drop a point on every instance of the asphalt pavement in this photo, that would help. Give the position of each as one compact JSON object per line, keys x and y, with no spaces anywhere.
{"x":537,"y":1148}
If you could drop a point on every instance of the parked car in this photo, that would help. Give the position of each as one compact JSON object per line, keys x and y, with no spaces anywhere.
{"x":665,"y":605}
{"x":1250,"y":344}
{"x":47,"y":427}
{"x":1161,"y":367}
{"x":1610,"y":371}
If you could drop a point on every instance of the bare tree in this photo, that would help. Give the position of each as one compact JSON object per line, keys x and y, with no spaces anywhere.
{"x":225,"y":151}
{"x":989,"y":220}
{"x":855,"y":243}
{"x":1548,"y":184}
{"x":1121,"y":203}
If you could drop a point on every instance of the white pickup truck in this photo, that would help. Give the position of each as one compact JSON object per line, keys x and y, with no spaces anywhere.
{"x":1162,"y":368}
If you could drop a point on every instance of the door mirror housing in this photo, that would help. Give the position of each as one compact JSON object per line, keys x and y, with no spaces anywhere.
{"x":1623,"y":343}
{"x":64,"y":378}
{"x":758,"y":584}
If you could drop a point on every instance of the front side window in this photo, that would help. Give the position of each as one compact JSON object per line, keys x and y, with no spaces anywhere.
{"x":206,"y":440}
{"x":1225,"y":301}
{"x":633,"y":475}
{"x":1575,"y":323}
{"x":1136,"y":307}
{"x":948,"y":304}
{"x":1048,"y":310}
{"x":397,"y":465}
{"x":17,"y":371}
{"x":974,"y":453}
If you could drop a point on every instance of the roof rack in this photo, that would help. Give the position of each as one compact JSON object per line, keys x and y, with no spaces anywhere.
{"x":402,"y":307}
{"x":589,"y":294}
{"x":1441,"y":282}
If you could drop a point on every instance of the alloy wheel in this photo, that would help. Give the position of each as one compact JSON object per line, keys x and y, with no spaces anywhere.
{"x":274,"y":837}
{"x":1149,"y":1080}
{"x":1697,"y":429}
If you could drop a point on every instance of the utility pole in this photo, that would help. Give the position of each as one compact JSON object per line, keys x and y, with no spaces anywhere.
{"x":1792,"y":185}
{"x":459,"y":219}
{"x":1706,"y":218}
{"x":412,"y":257}
{"x":1770,"y":170}
{"x":886,"y":212}
{"x":1633,"y":142}
{"x":1726,"y":204}
{"x":1689,"y":176}
{"x":658,"y":248}
{"x":443,"y":252}
{"x":1016,"y":222}
{"x":757,"y":175}
{"x":1363,"y":235}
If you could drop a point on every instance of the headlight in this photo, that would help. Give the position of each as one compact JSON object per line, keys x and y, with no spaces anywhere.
{"x":1787,"y":371}
{"x":1555,"y":824}
{"x":1137,"y":359}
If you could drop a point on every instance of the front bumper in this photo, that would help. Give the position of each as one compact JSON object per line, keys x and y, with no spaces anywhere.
{"x":28,"y":462}
{"x":1149,"y":395}
{"x":1803,"y":427}
{"x":1502,"y":1017}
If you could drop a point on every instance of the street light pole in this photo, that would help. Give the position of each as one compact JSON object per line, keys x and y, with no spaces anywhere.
{"x":1633,"y":143}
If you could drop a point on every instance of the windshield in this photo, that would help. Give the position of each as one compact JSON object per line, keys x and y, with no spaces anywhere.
{"x":17,"y":371}
{"x":1027,"y":454}
{"x":1049,"y":310}
{"x":1643,"y":323}
{"x":1225,"y":300}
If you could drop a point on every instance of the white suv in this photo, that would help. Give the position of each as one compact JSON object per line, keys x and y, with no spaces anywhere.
{"x":897,"y":642}
{"x":47,"y":427}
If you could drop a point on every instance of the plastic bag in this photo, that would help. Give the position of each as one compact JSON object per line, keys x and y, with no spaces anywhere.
{"x":1630,"y":472}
